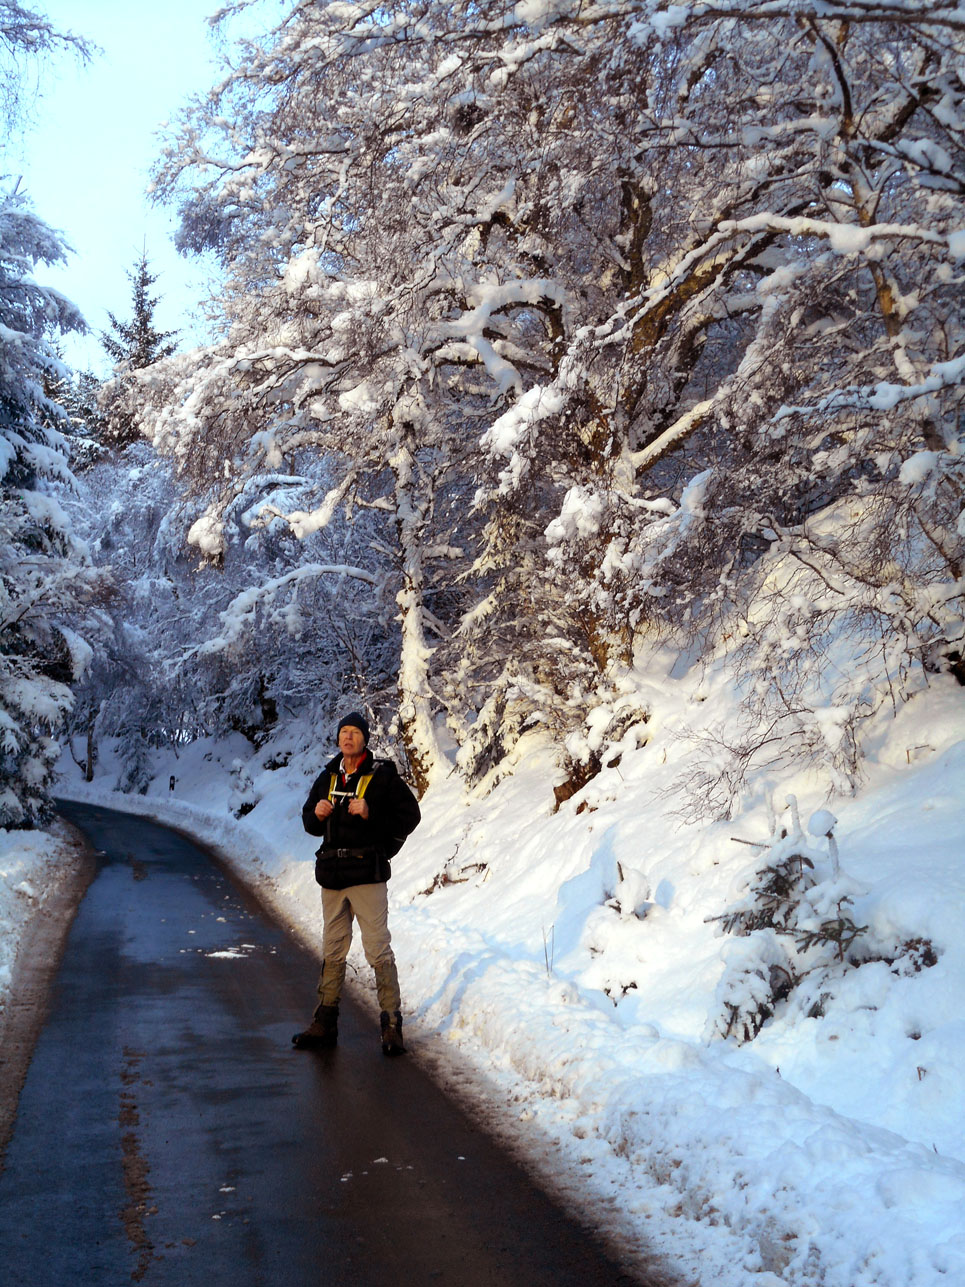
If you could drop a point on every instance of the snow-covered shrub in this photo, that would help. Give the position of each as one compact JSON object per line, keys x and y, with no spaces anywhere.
{"x":595,"y":739}
{"x":243,"y":797}
{"x":488,"y":742}
{"x":758,"y":973}
{"x":135,"y":766}
{"x":793,"y":922}
{"x":631,"y":894}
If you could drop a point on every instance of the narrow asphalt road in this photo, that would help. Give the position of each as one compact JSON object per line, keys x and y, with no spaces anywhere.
{"x":168,"y":1133}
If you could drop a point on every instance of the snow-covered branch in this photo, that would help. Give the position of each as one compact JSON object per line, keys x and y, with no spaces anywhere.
{"x":884,"y":396}
{"x":241,"y":615}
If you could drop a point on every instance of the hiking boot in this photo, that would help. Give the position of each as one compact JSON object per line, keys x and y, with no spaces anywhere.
{"x":391,"y":1033}
{"x":321,"y":1033}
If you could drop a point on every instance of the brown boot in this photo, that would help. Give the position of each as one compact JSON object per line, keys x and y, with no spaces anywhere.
{"x":321,"y":1033}
{"x":391,"y":1033}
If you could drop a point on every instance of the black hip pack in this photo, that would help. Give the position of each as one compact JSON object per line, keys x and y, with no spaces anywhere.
{"x":342,"y":868}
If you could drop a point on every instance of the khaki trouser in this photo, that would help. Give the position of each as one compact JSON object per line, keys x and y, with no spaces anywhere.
{"x":369,"y":905}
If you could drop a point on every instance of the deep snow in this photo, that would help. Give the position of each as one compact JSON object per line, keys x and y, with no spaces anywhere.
{"x":577,"y":1008}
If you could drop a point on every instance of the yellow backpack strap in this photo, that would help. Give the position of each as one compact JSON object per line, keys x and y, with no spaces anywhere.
{"x":331,"y":786}
{"x":363,"y":783}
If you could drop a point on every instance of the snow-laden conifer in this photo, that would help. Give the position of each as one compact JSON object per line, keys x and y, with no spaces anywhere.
{"x":44,"y":575}
{"x":131,"y":346}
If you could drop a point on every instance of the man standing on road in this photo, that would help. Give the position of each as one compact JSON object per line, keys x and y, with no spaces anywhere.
{"x":364,"y":811}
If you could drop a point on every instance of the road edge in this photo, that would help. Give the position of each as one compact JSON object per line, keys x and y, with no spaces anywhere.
{"x":39,"y":953}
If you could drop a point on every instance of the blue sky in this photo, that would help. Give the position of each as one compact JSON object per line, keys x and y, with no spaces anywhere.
{"x":85,"y":159}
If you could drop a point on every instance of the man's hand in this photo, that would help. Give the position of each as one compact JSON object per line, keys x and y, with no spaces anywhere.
{"x":359,"y":808}
{"x":323,"y":810}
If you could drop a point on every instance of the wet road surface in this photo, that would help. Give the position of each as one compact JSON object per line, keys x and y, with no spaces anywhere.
{"x":168,"y":1133}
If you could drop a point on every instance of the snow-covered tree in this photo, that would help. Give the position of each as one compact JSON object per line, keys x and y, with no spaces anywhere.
{"x":42,"y":573}
{"x":138,"y":343}
{"x":770,"y":398}
{"x":646,"y":313}
{"x":132,"y":346}
{"x":79,"y":393}
{"x":333,"y":350}
{"x":129,"y":694}
{"x":187,"y":651}
{"x":25,"y":35}
{"x":45,"y":577}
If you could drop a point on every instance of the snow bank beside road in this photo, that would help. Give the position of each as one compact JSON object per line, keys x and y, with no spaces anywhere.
{"x":33,"y":865}
{"x":574,"y":1006}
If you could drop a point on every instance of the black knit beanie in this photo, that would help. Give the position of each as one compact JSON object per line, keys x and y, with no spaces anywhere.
{"x":357,"y":720}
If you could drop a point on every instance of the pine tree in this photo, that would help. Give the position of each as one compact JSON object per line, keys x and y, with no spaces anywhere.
{"x":45,"y":576}
{"x":84,"y":426}
{"x":138,"y":343}
{"x":132,"y":346}
{"x":42,"y":574}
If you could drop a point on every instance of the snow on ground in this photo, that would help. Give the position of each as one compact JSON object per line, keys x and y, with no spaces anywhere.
{"x":33,"y":865}
{"x":578,"y":1007}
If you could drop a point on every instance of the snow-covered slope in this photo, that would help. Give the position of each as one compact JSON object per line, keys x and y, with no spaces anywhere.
{"x":565,"y":968}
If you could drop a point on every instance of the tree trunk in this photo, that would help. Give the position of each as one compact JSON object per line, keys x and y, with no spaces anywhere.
{"x":415,"y":693}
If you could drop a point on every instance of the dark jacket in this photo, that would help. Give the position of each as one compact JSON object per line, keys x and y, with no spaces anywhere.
{"x":354,"y":850}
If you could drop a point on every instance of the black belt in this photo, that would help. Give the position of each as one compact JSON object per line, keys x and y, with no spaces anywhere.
{"x":347,"y":853}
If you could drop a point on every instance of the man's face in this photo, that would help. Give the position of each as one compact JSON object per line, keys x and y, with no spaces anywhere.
{"x":351,"y":741}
